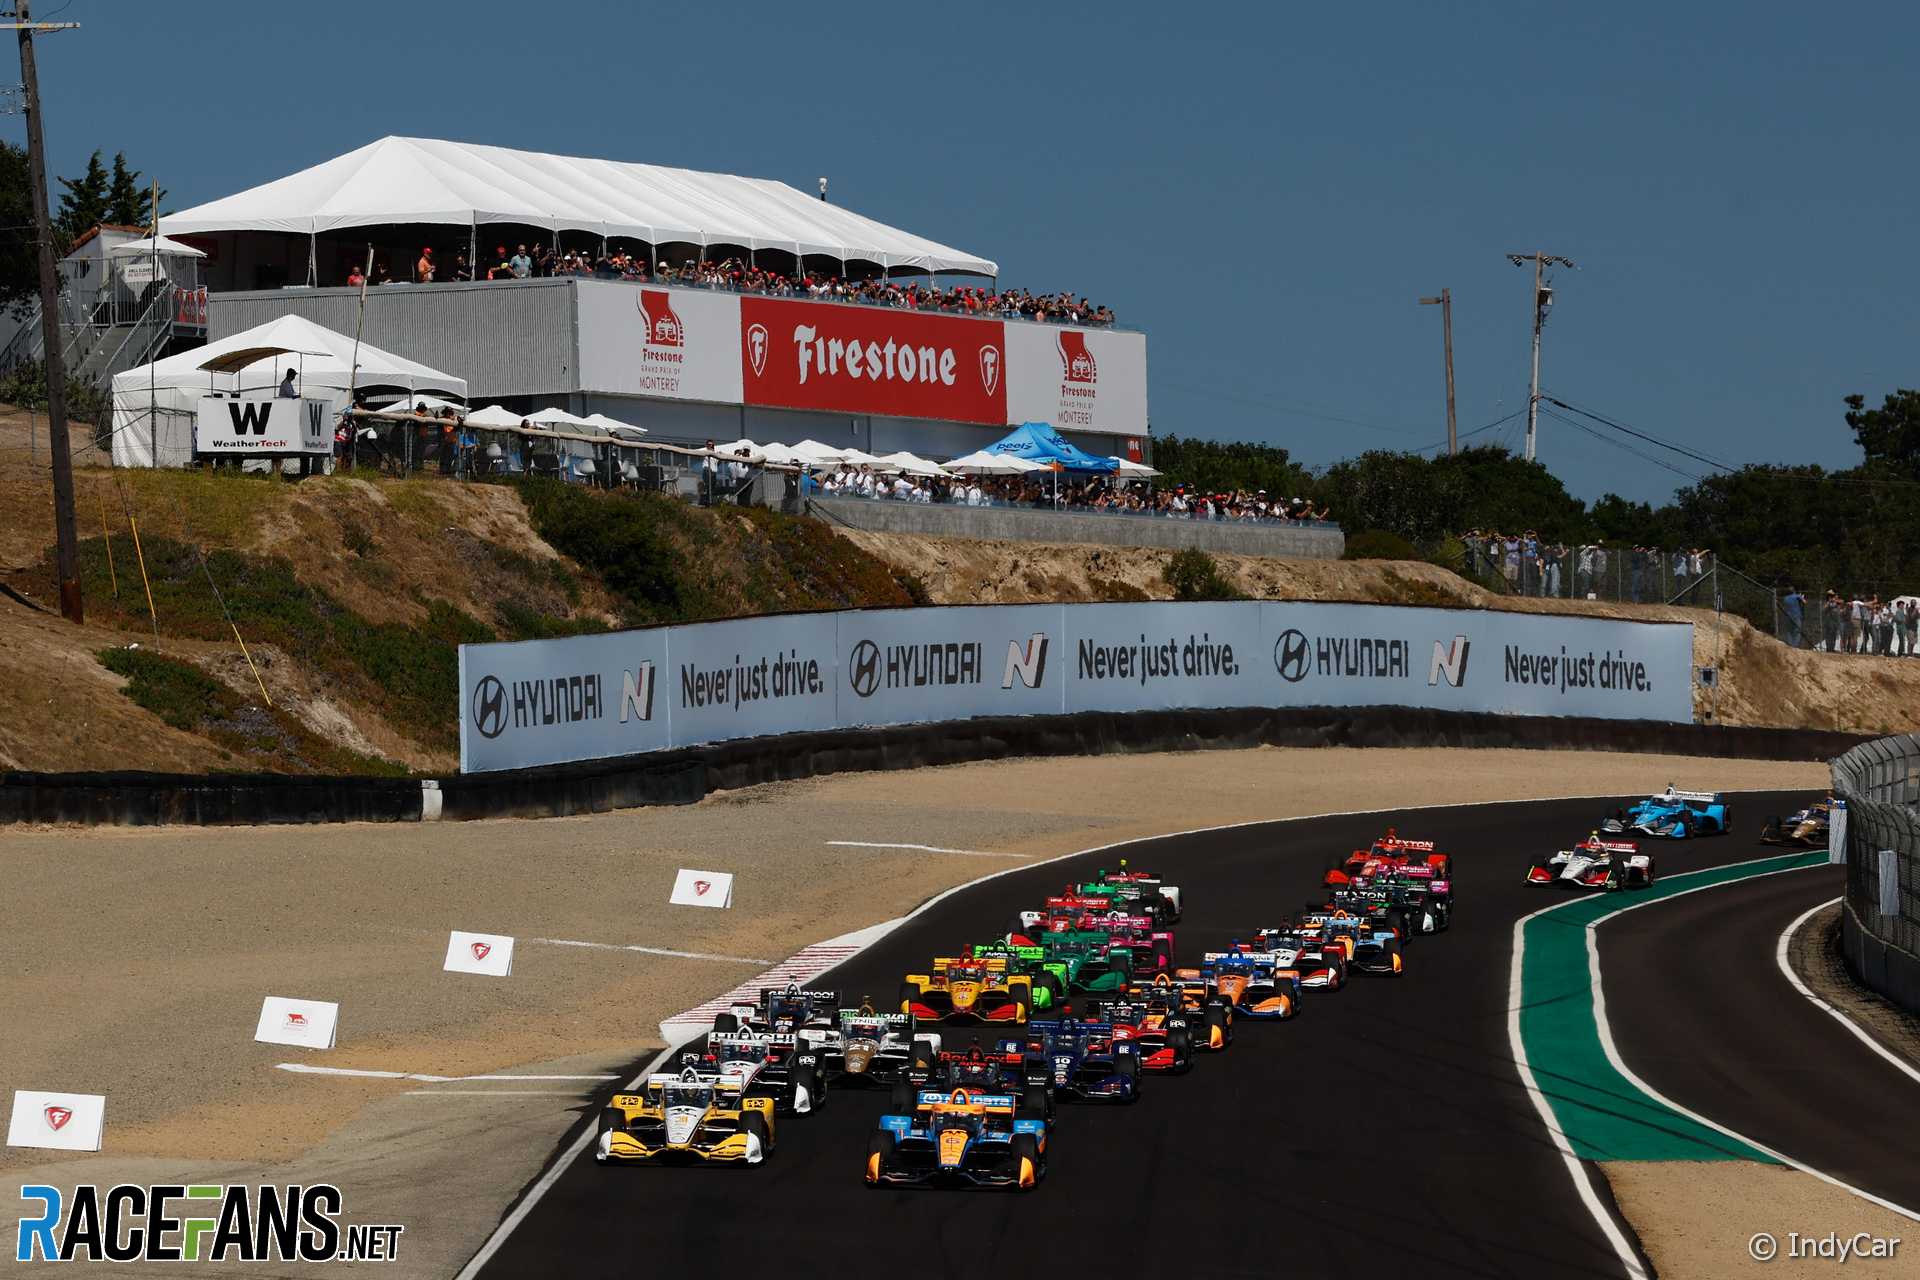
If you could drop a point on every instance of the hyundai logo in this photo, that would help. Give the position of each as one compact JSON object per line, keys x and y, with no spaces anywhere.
{"x":1290,"y":654}
{"x":490,"y":707}
{"x":863,"y":669}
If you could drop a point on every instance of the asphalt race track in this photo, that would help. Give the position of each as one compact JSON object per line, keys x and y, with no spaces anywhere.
{"x":1782,"y":1071}
{"x":1383,"y":1132}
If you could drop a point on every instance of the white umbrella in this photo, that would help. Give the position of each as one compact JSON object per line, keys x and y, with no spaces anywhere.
{"x":613,"y":425}
{"x":912,"y":464}
{"x":493,"y":416}
{"x":815,"y":454}
{"x":781,"y":454}
{"x":983,"y":463}
{"x":754,"y":451}
{"x":559,"y":418}
{"x":1133,"y":468}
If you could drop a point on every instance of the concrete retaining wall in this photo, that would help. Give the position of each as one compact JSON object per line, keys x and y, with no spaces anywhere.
{"x":683,"y":776}
{"x":1879,"y":964}
{"x":1019,"y":524}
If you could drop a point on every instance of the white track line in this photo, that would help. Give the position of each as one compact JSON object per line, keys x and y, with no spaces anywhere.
{"x":1858,"y":1032}
{"x":867,"y":937}
{"x":925,"y":848}
{"x":306,"y":1069}
{"x":1576,"y":1167}
{"x":1613,"y":1052}
{"x":649,"y":951}
{"x":493,"y":1093}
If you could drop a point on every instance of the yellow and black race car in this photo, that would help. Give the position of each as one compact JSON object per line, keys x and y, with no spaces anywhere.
{"x":971,"y":989}
{"x":685,"y":1115}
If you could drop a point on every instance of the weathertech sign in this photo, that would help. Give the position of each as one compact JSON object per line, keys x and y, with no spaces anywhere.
{"x":872,"y":360}
{"x":547,"y":701}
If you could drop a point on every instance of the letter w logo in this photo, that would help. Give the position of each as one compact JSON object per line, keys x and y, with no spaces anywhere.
{"x":636,"y":693}
{"x":1449,"y":661}
{"x":250,"y":415}
{"x":1029,"y":663}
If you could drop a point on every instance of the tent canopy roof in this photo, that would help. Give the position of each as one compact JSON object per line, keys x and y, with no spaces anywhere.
{"x":1038,"y":442}
{"x":428,"y":180}
{"x":320,"y":354}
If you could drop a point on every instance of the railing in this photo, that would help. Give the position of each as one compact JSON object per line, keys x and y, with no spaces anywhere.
{"x":1880,"y":923}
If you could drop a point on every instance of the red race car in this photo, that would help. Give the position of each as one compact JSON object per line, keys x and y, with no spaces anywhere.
{"x":1391,"y":853}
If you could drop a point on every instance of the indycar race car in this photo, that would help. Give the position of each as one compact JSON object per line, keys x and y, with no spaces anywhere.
{"x":1811,"y":828}
{"x":783,"y":1010}
{"x":687,"y":1114}
{"x":870,"y":1047}
{"x":1673,"y":815}
{"x":1085,"y":1059}
{"x":765,"y":1065}
{"x":967,"y":990}
{"x":1188,"y":991}
{"x":1006,"y":1068}
{"x":1390,"y":851}
{"x":1407,"y":897}
{"x":1061,"y":963}
{"x":1257,"y":984}
{"x":1141,"y":892}
{"x":1321,"y":967}
{"x":959,"y":1138}
{"x":1595,"y":864}
{"x":1114,"y":935}
{"x":1371,"y":943}
{"x":1159,"y":1026}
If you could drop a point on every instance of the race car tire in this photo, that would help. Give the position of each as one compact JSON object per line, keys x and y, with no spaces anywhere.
{"x":1036,"y":1100}
{"x":1162,"y":953}
{"x":1726,"y":821}
{"x":1026,"y":1162}
{"x":612,"y":1119}
{"x":755,"y":1125}
{"x":908,"y":994}
{"x":1338,"y":963}
{"x":1120,"y":960}
{"x":925,"y":1053}
{"x":1180,"y":1041}
{"x":1049,"y":982}
{"x":1395,"y":957}
{"x":1770,"y":832}
{"x":807,"y":1078}
{"x":901,"y":1097}
{"x":1397,"y":921}
{"x":1219,"y":1016}
{"x":879,"y":1153}
{"x":1128,"y":1065}
{"x":725,"y":1024}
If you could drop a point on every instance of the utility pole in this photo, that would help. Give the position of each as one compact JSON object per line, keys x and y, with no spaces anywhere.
{"x":1542,"y":303}
{"x":67,"y":542}
{"x":1446,"y":325}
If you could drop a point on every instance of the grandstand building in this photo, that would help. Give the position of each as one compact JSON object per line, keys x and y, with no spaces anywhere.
{"x":688,"y":363}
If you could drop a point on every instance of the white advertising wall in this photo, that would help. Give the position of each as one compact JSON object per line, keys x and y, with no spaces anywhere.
{"x":589,"y":697}
{"x":675,"y":344}
{"x":1077,"y":379}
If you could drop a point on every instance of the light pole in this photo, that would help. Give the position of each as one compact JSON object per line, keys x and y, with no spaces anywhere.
{"x":1542,"y":303}
{"x":1445,"y":301}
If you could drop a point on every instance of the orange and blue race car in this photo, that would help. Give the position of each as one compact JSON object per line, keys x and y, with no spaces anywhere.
{"x":959,"y":1138}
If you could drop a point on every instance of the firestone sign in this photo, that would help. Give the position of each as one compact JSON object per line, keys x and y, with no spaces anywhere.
{"x":725,"y":348}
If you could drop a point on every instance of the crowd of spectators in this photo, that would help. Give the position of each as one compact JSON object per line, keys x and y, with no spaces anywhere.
{"x":1853,"y":624}
{"x":1531,"y":565}
{"x":542,"y":260}
{"x":1098,"y":496}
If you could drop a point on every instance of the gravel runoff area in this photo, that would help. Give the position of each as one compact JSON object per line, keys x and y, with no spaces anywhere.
{"x":138,"y":958}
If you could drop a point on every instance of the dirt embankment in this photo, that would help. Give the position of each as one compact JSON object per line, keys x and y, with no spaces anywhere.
{"x":1762,"y":682}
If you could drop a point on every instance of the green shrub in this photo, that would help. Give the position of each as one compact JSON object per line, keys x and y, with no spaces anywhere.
{"x":1194,"y":575}
{"x":1378,"y":544}
{"x":178,"y":692}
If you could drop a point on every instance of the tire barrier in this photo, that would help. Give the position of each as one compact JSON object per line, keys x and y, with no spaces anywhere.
{"x":684,"y":775}
{"x":1880,"y":920}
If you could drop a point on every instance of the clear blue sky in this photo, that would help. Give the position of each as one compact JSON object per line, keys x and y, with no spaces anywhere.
{"x":1266,"y":189}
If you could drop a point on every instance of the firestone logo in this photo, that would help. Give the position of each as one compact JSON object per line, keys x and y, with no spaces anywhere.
{"x":1076,"y":362}
{"x":663,"y":323}
{"x":990,"y":367}
{"x":890,"y":361}
{"x":757,"y":341}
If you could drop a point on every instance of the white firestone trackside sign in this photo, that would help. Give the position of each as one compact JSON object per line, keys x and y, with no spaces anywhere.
{"x":588,"y":697}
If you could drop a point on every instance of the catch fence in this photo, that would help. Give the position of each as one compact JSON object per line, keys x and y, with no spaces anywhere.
{"x":1880,"y":923}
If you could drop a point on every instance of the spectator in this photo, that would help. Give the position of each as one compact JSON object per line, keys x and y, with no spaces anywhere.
{"x":288,"y":389}
{"x":423,"y":269}
{"x":1913,"y":627}
{"x":520,"y":263}
{"x":1830,"y":622}
{"x":1791,"y":606}
{"x":356,"y":278}
{"x":500,"y":270}
{"x":462,"y":269}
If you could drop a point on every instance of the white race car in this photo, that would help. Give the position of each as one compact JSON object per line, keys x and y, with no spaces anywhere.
{"x":1595,"y":864}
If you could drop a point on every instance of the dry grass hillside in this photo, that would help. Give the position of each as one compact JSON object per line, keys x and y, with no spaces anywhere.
{"x":1762,"y":681}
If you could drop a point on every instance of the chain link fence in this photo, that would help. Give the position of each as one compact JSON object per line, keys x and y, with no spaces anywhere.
{"x":1880,"y":925}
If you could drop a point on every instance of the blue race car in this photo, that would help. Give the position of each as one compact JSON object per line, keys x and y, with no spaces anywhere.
{"x":1085,"y":1060}
{"x":1673,"y":815}
{"x":960,"y":1137}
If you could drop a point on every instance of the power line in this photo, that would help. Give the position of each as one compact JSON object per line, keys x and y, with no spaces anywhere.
{"x":1621,"y":444}
{"x":1640,"y":435}
{"x":1468,"y":435}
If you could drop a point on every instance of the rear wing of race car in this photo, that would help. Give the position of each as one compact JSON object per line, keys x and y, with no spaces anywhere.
{"x":1697,"y":797}
{"x":1594,"y":844}
{"x":991,"y":963}
{"x":1410,"y":846}
{"x":823,"y":997}
{"x":992,"y":1103}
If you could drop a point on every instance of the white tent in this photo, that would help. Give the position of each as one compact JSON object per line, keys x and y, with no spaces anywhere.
{"x":323,"y":362}
{"x":993,"y":464}
{"x":815,"y":454}
{"x":613,"y":426}
{"x":754,"y":452}
{"x":144,"y":248}
{"x":1132,"y":468}
{"x":493,"y":416}
{"x":559,"y":419}
{"x":427,"y":180}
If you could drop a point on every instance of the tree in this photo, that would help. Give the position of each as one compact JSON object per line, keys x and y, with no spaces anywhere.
{"x":83,"y":205}
{"x":19,"y":264}
{"x":1213,"y":466}
{"x":128,"y":204}
{"x":1889,"y":435}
